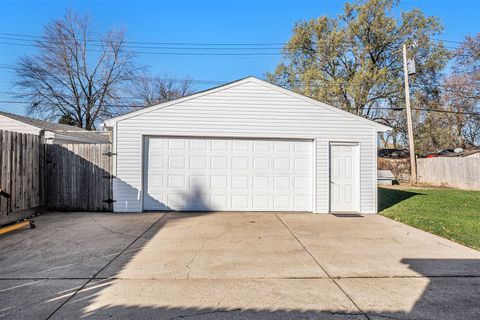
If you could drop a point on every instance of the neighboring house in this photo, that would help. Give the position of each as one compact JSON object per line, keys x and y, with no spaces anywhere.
{"x":54,"y":133}
{"x":394,"y":162}
{"x":393,"y":153}
{"x":245,"y":146}
{"x":459,"y":152}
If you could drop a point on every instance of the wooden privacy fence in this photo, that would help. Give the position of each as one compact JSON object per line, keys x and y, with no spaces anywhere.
{"x":462,"y":173}
{"x":21,"y":178}
{"x":68,"y":177}
{"x":78,"y":177}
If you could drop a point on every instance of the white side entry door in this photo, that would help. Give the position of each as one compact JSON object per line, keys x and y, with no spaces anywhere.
{"x":344,"y":177}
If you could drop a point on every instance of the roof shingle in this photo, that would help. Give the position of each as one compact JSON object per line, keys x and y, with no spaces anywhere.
{"x":63,"y":129}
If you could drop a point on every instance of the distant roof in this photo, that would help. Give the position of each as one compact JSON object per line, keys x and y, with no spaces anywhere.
{"x":385,"y":174}
{"x":393,"y":153}
{"x":469,"y":152}
{"x":59,"y":128}
{"x":451,"y":153}
{"x":463,"y":153}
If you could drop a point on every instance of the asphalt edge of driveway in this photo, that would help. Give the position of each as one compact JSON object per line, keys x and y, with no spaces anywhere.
{"x":105,"y":266}
{"x":320,"y":265}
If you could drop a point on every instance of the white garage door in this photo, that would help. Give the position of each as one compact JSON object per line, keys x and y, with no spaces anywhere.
{"x":207,"y":174}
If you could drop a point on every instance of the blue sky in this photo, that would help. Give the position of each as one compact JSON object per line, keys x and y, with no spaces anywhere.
{"x":211,"y":21}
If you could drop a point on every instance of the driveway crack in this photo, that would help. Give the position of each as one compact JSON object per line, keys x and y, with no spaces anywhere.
{"x":226,"y":293}
{"x":108,"y":229}
{"x":189,"y":264}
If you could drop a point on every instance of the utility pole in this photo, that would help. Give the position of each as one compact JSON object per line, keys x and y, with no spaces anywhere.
{"x":411,"y":145}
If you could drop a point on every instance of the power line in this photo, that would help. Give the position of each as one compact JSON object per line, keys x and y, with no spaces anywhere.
{"x":238,"y":54}
{"x":197,"y":81}
{"x":195,"y":43}
{"x":106,"y":105}
{"x":161,"y":43}
{"x":169,"y":53}
{"x":449,"y":41}
{"x":298,"y":83}
{"x":449,"y":111}
{"x":179,"y":46}
{"x":428,"y":110}
{"x":164,"y":46}
{"x":374,"y":108}
{"x":153,"y":47}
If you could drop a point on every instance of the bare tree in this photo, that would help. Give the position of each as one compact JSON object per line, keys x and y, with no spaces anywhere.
{"x":461,"y":94}
{"x":76,"y":75}
{"x":155,"y":90}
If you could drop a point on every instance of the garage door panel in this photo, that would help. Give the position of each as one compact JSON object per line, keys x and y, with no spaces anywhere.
{"x":261,"y":183}
{"x":240,"y":182}
{"x":199,"y":162}
{"x":240,"y":145}
{"x":227,"y":174}
{"x":198,"y":181}
{"x":176,"y":144}
{"x":219,"y":145}
{"x":240,"y":163}
{"x":302,"y":202}
{"x":281,"y":146}
{"x":261,"y":163}
{"x":218,"y":163}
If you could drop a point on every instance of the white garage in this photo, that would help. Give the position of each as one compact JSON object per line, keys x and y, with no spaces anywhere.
{"x":228,"y":174}
{"x":244,"y":146}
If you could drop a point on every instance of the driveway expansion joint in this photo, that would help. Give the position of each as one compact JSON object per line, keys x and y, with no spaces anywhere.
{"x":324,"y":270}
{"x":205,"y":313}
{"x":406,"y":277}
{"x":105,"y":266}
{"x":241,"y":279}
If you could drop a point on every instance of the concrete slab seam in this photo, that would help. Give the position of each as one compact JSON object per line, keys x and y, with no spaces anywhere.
{"x":319,"y":264}
{"x":105,"y":266}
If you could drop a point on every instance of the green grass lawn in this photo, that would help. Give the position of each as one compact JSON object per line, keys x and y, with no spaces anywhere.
{"x":450,"y":213}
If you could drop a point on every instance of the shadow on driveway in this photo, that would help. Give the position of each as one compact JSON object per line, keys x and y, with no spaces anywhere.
{"x":43,"y":270}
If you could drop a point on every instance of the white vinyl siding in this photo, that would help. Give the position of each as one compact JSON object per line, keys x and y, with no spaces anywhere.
{"x":247,"y":110}
{"x":10,"y":124}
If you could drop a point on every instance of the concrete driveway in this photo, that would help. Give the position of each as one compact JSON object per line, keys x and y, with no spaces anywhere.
{"x":234,"y":266}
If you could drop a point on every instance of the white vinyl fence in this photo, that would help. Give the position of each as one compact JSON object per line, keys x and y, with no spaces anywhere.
{"x":462,"y":173}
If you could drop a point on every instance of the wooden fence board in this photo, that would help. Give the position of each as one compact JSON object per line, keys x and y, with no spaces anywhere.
{"x":77,"y":173}
{"x":462,"y":173}
{"x":60,"y":177}
{"x":20,"y":175}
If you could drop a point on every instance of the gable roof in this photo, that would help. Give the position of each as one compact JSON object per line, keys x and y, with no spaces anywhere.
{"x":65,"y":130}
{"x":380,"y":127}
